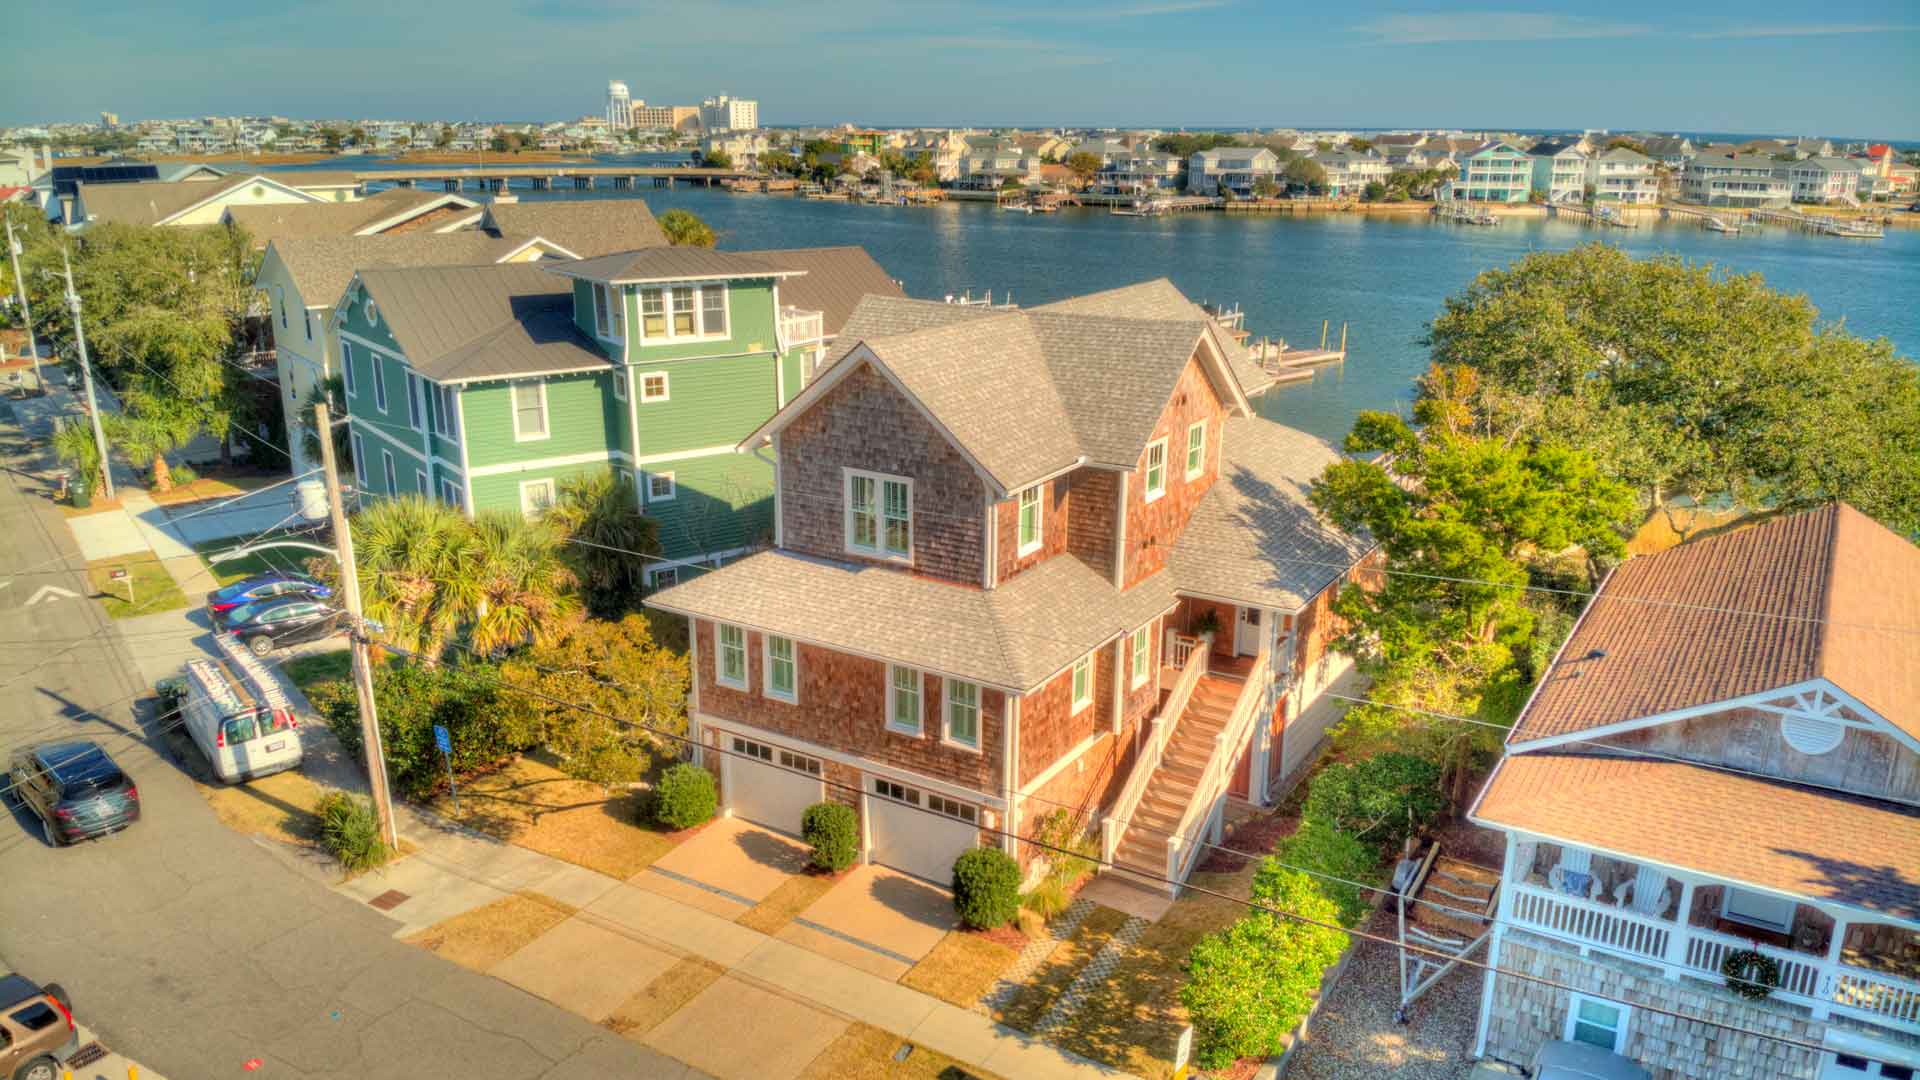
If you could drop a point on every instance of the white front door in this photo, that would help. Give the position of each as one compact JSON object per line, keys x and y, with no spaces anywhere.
{"x":1246,"y":631}
{"x":770,"y":786}
{"x":901,"y":833}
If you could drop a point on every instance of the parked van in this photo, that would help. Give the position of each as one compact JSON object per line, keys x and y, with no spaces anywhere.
{"x":238,"y":715}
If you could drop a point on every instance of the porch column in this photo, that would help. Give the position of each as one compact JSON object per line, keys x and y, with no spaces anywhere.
{"x":1823,"y":993}
{"x":1682,"y":922}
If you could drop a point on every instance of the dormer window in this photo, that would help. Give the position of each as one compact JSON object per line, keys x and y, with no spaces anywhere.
{"x":608,"y":318}
{"x":879,"y":515}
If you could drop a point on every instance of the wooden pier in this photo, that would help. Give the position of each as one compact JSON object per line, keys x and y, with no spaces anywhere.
{"x":501,"y":177}
{"x":1821,"y":225}
{"x":1596,"y":216}
{"x":1297,"y":365}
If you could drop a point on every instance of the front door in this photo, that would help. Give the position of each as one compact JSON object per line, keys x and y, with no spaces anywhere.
{"x":1246,"y":631}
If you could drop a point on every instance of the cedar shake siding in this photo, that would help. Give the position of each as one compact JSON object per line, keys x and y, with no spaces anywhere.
{"x":1055,"y":513}
{"x":1153,"y":527}
{"x":1090,"y":517}
{"x":843,"y":706}
{"x":864,"y":423}
{"x":1048,"y":726}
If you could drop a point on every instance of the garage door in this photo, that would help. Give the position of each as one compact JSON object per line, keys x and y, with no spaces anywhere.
{"x":770,"y":786}
{"x":906,"y":837}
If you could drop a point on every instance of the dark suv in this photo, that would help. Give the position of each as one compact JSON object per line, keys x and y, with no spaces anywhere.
{"x":75,"y":790}
{"x":37,"y":1035}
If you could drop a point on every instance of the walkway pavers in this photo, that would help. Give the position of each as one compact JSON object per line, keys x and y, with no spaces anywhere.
{"x":738,"y":1031}
{"x":1097,"y":971}
{"x":584,"y":967}
{"x":1036,"y":951}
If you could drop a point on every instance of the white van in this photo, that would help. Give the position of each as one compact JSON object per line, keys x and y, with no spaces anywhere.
{"x":238,"y":715}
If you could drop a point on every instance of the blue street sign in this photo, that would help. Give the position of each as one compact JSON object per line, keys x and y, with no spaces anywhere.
{"x":442,"y":740}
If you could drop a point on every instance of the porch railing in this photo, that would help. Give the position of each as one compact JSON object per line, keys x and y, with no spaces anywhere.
{"x":1799,"y":972}
{"x":1192,"y":666}
{"x":799,"y":327}
{"x":1184,"y":845}
{"x":1583,"y":920}
{"x":1179,"y":647}
{"x":1875,"y":994}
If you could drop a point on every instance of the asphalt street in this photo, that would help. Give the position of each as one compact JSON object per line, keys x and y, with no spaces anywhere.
{"x":189,"y":946}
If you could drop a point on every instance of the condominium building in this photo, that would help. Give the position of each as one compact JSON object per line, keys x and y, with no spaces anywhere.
{"x":1822,"y":179}
{"x":1621,"y":175}
{"x":619,"y":107}
{"x":1735,"y":180}
{"x":725,"y":113}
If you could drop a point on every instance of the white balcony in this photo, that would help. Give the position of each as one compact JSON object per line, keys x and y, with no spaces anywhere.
{"x":799,"y":327}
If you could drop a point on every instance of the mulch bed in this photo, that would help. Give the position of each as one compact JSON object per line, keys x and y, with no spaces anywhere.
{"x":1007,"y":935}
{"x":1251,"y":839}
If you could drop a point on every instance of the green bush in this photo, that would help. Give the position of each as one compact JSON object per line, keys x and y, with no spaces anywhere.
{"x":832,"y":829}
{"x":1319,"y":848}
{"x":1248,"y":985}
{"x":1047,"y":898}
{"x":350,"y":831}
{"x":686,"y":797}
{"x":1382,"y":799}
{"x":986,"y":887}
{"x":487,"y":724}
{"x":183,"y":475}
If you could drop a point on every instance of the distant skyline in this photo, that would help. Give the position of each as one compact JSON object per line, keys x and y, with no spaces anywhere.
{"x":1845,"y":68}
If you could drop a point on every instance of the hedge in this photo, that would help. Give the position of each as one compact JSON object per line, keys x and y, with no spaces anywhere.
{"x":686,"y":797}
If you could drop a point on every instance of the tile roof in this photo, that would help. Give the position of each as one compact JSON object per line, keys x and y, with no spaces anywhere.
{"x":1254,"y":539}
{"x":1014,"y":637}
{"x":589,"y":228}
{"x":461,"y":323}
{"x":833,"y":281}
{"x":150,"y":202}
{"x":321,"y":266}
{"x":1826,"y":593}
{"x":1765,"y":833}
{"x":266,"y":223}
{"x":671,"y":264}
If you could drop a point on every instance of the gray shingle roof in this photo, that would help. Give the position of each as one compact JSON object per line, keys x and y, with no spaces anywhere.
{"x":672,"y":264}
{"x":152,"y":201}
{"x":884,"y":316}
{"x":833,"y":281}
{"x":459,"y":323}
{"x":321,"y":266}
{"x":1014,"y":637}
{"x":589,"y":228}
{"x":1254,"y":539}
{"x":1160,"y":299}
{"x":285,"y":221}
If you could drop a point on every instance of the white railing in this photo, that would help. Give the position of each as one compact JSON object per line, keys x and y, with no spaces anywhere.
{"x":1874,"y":994}
{"x":1115,"y":823}
{"x":1179,"y":647}
{"x":1800,"y":974}
{"x":1184,"y":844}
{"x":1561,"y":915}
{"x":801,"y":327}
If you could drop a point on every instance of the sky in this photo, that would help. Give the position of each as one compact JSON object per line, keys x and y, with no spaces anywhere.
{"x":1839,"y":68}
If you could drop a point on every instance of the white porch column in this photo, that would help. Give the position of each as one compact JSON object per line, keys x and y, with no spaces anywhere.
{"x":1682,"y":921}
{"x":1824,"y":991}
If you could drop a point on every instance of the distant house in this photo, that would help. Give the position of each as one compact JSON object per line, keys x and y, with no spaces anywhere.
{"x":1350,"y":171}
{"x":990,"y":167}
{"x":1496,"y":171}
{"x":20,"y":166}
{"x":183,"y":202}
{"x":1559,"y":171}
{"x":1673,"y":151}
{"x":395,"y":210}
{"x":1140,"y":173}
{"x":1746,"y":180}
{"x":1822,"y":179}
{"x":1723,"y":759}
{"x":1234,"y":169}
{"x":1624,"y":176}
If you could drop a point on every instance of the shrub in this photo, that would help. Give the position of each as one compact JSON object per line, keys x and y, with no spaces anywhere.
{"x":350,"y":831}
{"x":986,"y":887}
{"x":1319,"y":848}
{"x":832,"y":829}
{"x":686,"y":797}
{"x":1382,"y":799}
{"x":183,"y":475}
{"x":1248,"y":985}
{"x":1047,"y":898}
{"x":487,"y":725}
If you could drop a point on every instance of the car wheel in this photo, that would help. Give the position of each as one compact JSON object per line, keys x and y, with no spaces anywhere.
{"x":261,"y":645}
{"x":40,"y":1068}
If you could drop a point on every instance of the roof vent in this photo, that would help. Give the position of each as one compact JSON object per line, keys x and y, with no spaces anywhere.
{"x":1811,"y":735}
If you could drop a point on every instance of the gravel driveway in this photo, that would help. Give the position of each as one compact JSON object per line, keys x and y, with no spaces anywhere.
{"x":1354,"y":1037}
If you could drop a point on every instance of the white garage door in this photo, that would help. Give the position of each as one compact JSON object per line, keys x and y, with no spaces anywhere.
{"x":763,"y":786}
{"x":906,"y":837}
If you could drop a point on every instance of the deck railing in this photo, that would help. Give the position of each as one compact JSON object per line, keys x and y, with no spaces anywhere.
{"x":800,"y":327}
{"x":1186,"y":841}
{"x":1874,"y":994}
{"x":1192,"y":666}
{"x":1179,"y":647}
{"x":1561,"y":915}
{"x":1799,"y":972}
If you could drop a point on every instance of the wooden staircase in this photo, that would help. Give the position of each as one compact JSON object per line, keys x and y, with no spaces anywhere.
{"x":1143,"y":847}
{"x":1447,"y":915}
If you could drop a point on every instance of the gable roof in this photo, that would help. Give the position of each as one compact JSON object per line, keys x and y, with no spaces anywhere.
{"x":1827,"y":593}
{"x":317,"y":178}
{"x":1160,"y":299}
{"x":589,"y":228}
{"x":153,"y":202}
{"x":462,"y":323}
{"x":285,"y":221}
{"x":322,"y":266}
{"x":834,"y":280}
{"x":672,"y":264}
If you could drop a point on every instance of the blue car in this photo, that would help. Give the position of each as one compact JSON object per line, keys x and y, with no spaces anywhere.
{"x":264,"y":587}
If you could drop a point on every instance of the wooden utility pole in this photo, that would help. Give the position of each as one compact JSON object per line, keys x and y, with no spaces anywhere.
{"x":86,"y":373}
{"x":26,"y":309}
{"x":362,"y":667}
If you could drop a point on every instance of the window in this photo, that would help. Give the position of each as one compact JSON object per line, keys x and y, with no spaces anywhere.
{"x":799,"y":763}
{"x":1757,"y":909}
{"x":963,"y":714}
{"x":713,"y":310}
{"x":810,"y":364}
{"x":753,"y":750}
{"x":653,"y":313}
{"x":953,"y":808}
{"x":280,"y":300}
{"x":879,"y":515}
{"x":530,"y":410}
{"x":1082,"y":682}
{"x":441,"y":409}
{"x":1030,"y":520}
{"x":1138,"y":649}
{"x":346,"y":366}
{"x":414,"y":416}
{"x":451,"y":493}
{"x":901,"y":793}
{"x":373,"y":313}
{"x":1196,"y":449}
{"x":601,"y":310}
{"x":903,"y":700}
{"x":782,"y":669}
{"x":309,"y":317}
{"x":653,"y":387}
{"x":420,"y":481}
{"x":666,"y":577}
{"x":386,"y":464}
{"x":535,"y":497}
{"x":619,"y":386}
{"x":660,"y":487}
{"x":379,"y":384}
{"x":1156,"y":469}
{"x":1598,"y":1023}
{"x":730,"y":666}
{"x":683,"y":325}
{"x":359,"y":457}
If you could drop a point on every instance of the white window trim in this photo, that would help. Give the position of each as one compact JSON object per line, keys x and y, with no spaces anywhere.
{"x":1573,"y":1017}
{"x":546,"y":416}
{"x":619,"y":386}
{"x":1080,"y":703}
{"x":879,"y":551}
{"x":1201,"y":427}
{"x":346,"y":368}
{"x":766,"y":669}
{"x":700,"y":331}
{"x":379,"y":384}
{"x":719,"y":654}
{"x":666,"y":388}
{"x":1026,"y":547}
{"x":420,"y":476}
{"x":359,"y":460}
{"x":386,"y":472}
{"x":919,"y":727}
{"x":1139,"y":643}
{"x":607,"y":313}
{"x":553,"y":492}
{"x":1148,"y":492}
{"x":979,"y":715}
{"x":673,"y":487}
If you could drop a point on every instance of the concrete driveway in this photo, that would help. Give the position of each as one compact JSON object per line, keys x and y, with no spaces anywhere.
{"x":726,"y":868}
{"x":876,"y":919}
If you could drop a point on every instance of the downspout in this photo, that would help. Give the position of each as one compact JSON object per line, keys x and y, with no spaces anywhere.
{"x":1009,"y":773}
{"x":989,"y":542}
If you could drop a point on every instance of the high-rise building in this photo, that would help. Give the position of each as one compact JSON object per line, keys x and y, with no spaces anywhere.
{"x":109,"y":120}
{"x":724,"y":113}
{"x":619,"y":107}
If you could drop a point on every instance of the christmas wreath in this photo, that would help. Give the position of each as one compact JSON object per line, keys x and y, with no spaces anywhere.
{"x":1750,"y":973}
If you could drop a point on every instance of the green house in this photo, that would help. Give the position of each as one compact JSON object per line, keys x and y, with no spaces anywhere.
{"x":486,"y":386}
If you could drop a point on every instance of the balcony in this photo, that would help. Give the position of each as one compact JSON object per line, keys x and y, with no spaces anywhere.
{"x":799,"y":327}
{"x":1830,"y":963}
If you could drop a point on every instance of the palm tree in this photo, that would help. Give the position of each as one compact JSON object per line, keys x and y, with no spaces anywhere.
{"x":149,"y":436}
{"x":419,"y":573}
{"x":524,"y":590}
{"x":602,"y":512}
{"x":683,"y":228}
{"x":73,"y":443}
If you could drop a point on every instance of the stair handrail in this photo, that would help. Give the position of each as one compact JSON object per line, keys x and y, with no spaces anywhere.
{"x":1217,"y":775}
{"x":1115,"y":824}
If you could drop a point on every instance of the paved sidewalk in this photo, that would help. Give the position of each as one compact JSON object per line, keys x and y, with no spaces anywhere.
{"x":455,"y":871}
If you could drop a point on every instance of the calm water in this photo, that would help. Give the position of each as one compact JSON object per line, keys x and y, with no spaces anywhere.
{"x":1385,"y":276}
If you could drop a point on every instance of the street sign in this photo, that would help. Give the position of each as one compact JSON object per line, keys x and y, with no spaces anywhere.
{"x":442,"y":740}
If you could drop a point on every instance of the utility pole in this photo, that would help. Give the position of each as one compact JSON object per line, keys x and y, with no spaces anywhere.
{"x":13,"y":252}
{"x":356,"y":634}
{"x":86,"y":373}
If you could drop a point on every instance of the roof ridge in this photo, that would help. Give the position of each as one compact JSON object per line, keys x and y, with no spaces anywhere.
{"x":1829,"y":569}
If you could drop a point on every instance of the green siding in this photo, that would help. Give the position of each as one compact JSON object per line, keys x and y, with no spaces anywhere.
{"x":363,"y":401}
{"x":721,"y":501}
{"x":582,"y":417}
{"x":789,"y":376}
{"x":750,"y":326}
{"x":583,"y":308}
{"x":711,"y":402}
{"x":501,"y":491}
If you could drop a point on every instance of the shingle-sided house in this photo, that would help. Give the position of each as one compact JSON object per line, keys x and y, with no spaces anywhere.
{"x":1725,"y":756}
{"x":1026,"y":562}
{"x":485,"y":386}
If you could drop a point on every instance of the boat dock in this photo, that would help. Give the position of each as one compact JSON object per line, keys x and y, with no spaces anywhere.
{"x":1721,"y":222}
{"x":1858,"y":228}
{"x":1462,"y":213}
{"x":1297,"y":365}
{"x":1596,"y":216}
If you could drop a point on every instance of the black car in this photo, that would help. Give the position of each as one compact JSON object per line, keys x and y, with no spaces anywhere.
{"x":264,"y":587}
{"x":282,"y":620}
{"x":75,"y":790}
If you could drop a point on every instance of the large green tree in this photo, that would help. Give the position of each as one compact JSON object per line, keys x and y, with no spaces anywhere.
{"x":1690,"y":382}
{"x":613,"y":669}
{"x":1082,"y":164}
{"x":685,"y":229}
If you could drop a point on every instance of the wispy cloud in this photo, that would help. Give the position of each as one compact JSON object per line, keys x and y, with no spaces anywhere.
{"x":1100,"y":13}
{"x":1806,"y":30}
{"x":1468,"y":26}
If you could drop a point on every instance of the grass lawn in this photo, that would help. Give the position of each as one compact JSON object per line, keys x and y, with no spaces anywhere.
{"x":534,"y":805}
{"x":961,"y":968}
{"x":153,"y":588}
{"x":864,"y":1052}
{"x":663,"y":997}
{"x":229,"y":571}
{"x":1052,"y":978}
{"x":794,"y":896}
{"x":306,"y":671}
{"x":215,"y":487}
{"x":481,"y":938}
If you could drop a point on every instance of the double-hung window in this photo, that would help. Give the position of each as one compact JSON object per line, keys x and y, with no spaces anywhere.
{"x":379,"y":384}
{"x":653,"y":313}
{"x":1598,"y":1022}
{"x":415,"y":418}
{"x":346,"y":367}
{"x":601,"y":310}
{"x":879,"y":515}
{"x":730,"y":661}
{"x":782,"y":674}
{"x":536,"y":496}
{"x":713,"y":310}
{"x":1030,"y":520}
{"x":386,"y":466}
{"x":445,"y":412}
{"x":1137,"y":650}
{"x":963,"y":714}
{"x":1196,"y":449}
{"x":683,"y":311}
{"x":1082,"y":683}
{"x":903,"y":700}
{"x":619,"y":386}
{"x":1156,"y":469}
{"x":529,"y":410}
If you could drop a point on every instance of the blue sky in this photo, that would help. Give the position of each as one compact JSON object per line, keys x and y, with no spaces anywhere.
{"x":1839,"y":68}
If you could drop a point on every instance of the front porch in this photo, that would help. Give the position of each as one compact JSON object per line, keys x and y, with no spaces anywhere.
{"x":1833,"y":960}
